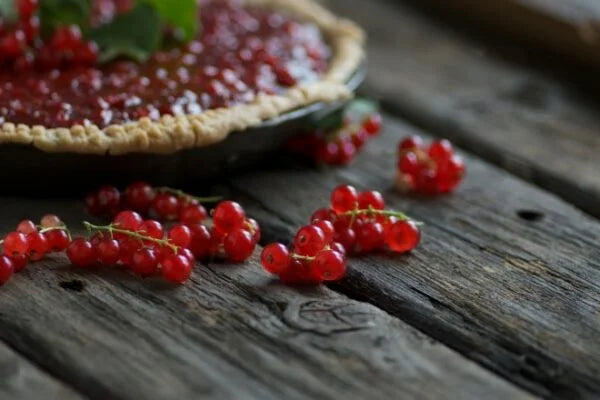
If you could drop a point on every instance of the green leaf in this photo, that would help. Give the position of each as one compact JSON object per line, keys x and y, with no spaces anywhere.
{"x":56,"y":13}
{"x":136,"y":34}
{"x":183,"y":15}
{"x":8,"y":11}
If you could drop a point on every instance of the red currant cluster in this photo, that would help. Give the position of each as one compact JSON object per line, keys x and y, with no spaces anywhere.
{"x":31,"y":242}
{"x":22,"y":46}
{"x":429,"y":171}
{"x":338,"y":146}
{"x":356,"y":223}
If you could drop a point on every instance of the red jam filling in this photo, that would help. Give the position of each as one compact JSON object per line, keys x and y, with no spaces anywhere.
{"x":240,"y":51}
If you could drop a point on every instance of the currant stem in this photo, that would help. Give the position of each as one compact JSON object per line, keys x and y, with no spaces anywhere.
{"x":301,"y":257}
{"x":371,"y":212}
{"x":181,"y":193}
{"x":57,"y":228}
{"x":112,"y":229}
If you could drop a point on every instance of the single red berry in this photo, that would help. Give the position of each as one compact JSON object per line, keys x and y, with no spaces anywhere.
{"x":410,"y":143}
{"x":275,"y":258}
{"x":58,"y":240}
{"x":15,"y":243}
{"x":7,"y":269}
{"x":176,"y":268}
{"x":309,"y":240}
{"x":337,"y":246}
{"x":26,"y":227}
{"x":166,"y":206}
{"x":127,"y":248}
{"x":359,"y":138}
{"x":50,"y":221}
{"x":326,"y":214}
{"x":108,"y":198}
{"x":346,"y":152}
{"x":144,"y":262}
{"x":403,"y":236}
{"x":201,"y":241}
{"x":228,"y":216}
{"x":186,"y":253}
{"x":440,"y":150}
{"x":26,"y":8}
{"x":152,"y":228}
{"x":86,"y":54}
{"x":37,"y":245}
{"x":344,"y":198}
{"x":139,"y":196}
{"x":327,"y":228}
{"x":450,"y":173}
{"x":327,"y":152}
{"x":239,"y":245}
{"x":12,"y":44}
{"x":108,"y":251}
{"x":191,"y":214}
{"x":329,"y":265}
{"x":373,"y":124}
{"x":128,"y":220}
{"x":299,"y":272}
{"x":92,"y":205}
{"x":66,"y":38}
{"x":180,"y":235}
{"x":408,"y":163}
{"x":346,"y":236}
{"x":81,"y":253}
{"x":369,"y":236}
{"x":426,"y":182}
{"x":371,"y":199}
{"x":19,"y":262}
{"x":253,"y":227}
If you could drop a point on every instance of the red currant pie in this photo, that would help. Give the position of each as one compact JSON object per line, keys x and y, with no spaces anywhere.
{"x":124,"y":76}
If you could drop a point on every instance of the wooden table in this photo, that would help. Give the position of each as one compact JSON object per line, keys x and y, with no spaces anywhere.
{"x":501,"y":300}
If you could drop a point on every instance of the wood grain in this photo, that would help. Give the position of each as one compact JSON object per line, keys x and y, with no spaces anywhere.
{"x":507,"y":274}
{"x":231,"y":333}
{"x":513,"y":116}
{"x":21,"y":380}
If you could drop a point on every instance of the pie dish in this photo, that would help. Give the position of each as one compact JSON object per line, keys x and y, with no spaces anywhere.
{"x":199,"y":114}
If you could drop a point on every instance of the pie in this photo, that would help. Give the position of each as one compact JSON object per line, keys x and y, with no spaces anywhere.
{"x":252,"y":60}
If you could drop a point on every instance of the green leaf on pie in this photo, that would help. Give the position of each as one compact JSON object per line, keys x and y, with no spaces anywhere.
{"x":135,"y":34}
{"x":183,"y":15}
{"x":8,"y":11}
{"x":56,"y":13}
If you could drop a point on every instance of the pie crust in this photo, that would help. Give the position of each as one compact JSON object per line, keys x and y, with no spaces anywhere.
{"x":172,"y":133}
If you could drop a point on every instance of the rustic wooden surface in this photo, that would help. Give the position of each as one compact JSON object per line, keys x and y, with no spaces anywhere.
{"x":510,"y":114}
{"x":501,"y":300}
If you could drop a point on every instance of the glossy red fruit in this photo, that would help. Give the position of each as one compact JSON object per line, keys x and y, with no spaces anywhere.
{"x":337,"y":246}
{"x":108,"y":198}
{"x":329,"y":265}
{"x":152,"y":228}
{"x":7,"y":269}
{"x":410,"y":143}
{"x":128,"y":220}
{"x":19,"y":262}
{"x":50,"y":221}
{"x":201,"y":241}
{"x":324,"y":214}
{"x":373,"y":124}
{"x":371,"y":199}
{"x":299,"y":273}
{"x":359,"y":138}
{"x":309,"y":240}
{"x":81,"y":253}
{"x":344,"y":198}
{"x":144,"y":262}
{"x":369,"y":237}
{"x":180,"y":236}
{"x":166,"y":206}
{"x":176,"y":268}
{"x":327,"y":228}
{"x":12,"y":44}
{"x":91,"y":204}
{"x":228,"y":216}
{"x":26,"y":227}
{"x":327,"y":152}
{"x":253,"y":227}
{"x":440,"y":150}
{"x":346,"y":152}
{"x":403,"y":236}
{"x":37,"y":246}
{"x":186,"y":253}
{"x":58,"y":240}
{"x":127,"y":248}
{"x":15,"y":243}
{"x":426,"y":182}
{"x":450,"y":174}
{"x":275,"y":257}
{"x":345,"y":236}
{"x":108,"y":251}
{"x":239,"y":245}
{"x":26,"y":8}
{"x":191,"y":214}
{"x":139,"y":196}
{"x":66,"y":38}
{"x":408,"y":163}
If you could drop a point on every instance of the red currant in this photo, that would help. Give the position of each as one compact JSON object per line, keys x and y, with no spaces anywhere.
{"x":58,"y":240}
{"x":298,"y":272}
{"x":26,"y":227}
{"x":371,"y":199}
{"x":191,"y":214}
{"x":176,"y":268}
{"x":127,"y":248}
{"x":26,"y":8}
{"x":19,"y":262}
{"x":327,"y":228}
{"x":309,"y":240}
{"x":275,"y":258}
{"x":128,"y":220}
{"x":108,"y":198}
{"x":166,"y":206}
{"x":403,"y":236}
{"x":50,"y":221}
{"x":327,"y":152}
{"x":228,"y":216}
{"x":139,"y":196}
{"x":329,"y":265}
{"x":346,"y":236}
{"x":326,"y":214}
{"x":239,"y":245}
{"x":37,"y":245}
{"x":440,"y":150}
{"x":6,"y":269}
{"x":152,"y":228}
{"x":344,"y":198}
{"x":15,"y":243}
{"x":144,"y":262}
{"x":81,"y":253}
{"x":373,"y":124}
{"x":201,"y":241}
{"x":369,"y":236}
{"x":408,"y":163}
{"x":410,"y":143}
{"x":337,"y":246}
{"x":254,"y":228}
{"x":180,"y":235}
{"x":108,"y":251}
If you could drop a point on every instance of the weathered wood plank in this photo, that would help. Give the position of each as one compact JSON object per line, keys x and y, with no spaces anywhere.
{"x":231,"y":333}
{"x":521,"y":297}
{"x":511,"y":115}
{"x":20,"y":380}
